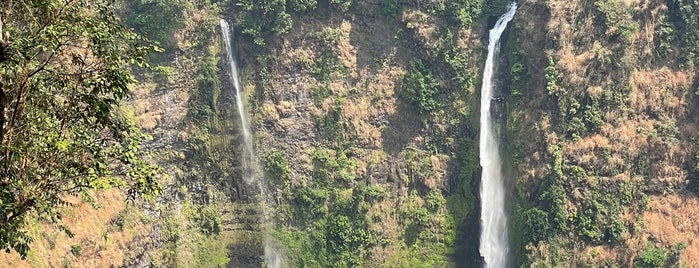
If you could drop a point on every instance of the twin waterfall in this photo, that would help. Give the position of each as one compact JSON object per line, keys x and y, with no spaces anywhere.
{"x":494,"y":239}
{"x":251,"y":171}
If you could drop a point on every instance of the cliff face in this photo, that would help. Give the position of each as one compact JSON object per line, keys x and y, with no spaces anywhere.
{"x":609,"y":97}
{"x":365,"y":133}
{"x":365,"y":124}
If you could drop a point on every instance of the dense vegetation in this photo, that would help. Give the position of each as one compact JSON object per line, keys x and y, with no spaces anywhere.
{"x":62,"y":131}
{"x":365,"y":123}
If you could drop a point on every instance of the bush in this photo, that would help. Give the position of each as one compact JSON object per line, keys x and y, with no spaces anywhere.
{"x":76,"y":250}
{"x":551,"y":74}
{"x":208,"y":220}
{"x":463,"y":12}
{"x":420,"y":87}
{"x":536,"y":223}
{"x":390,"y":8}
{"x":260,"y":19}
{"x":158,"y":19}
{"x":342,"y":5}
{"x":276,"y":165}
{"x":651,"y":257}
{"x":303,"y":5}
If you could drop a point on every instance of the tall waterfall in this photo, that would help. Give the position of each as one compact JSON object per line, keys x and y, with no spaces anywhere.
{"x":494,"y":239}
{"x":251,"y":171}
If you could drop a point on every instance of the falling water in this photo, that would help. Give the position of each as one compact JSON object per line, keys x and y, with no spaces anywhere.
{"x":273,"y":257}
{"x":494,"y":239}
{"x":249,"y":172}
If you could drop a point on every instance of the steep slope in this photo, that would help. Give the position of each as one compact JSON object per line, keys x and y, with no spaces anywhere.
{"x":365,"y":119}
{"x":607,"y":90}
{"x":366,"y":127}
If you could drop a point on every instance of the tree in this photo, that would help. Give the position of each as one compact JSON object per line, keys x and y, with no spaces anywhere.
{"x":260,"y":18}
{"x":158,"y":19}
{"x":64,"y":68}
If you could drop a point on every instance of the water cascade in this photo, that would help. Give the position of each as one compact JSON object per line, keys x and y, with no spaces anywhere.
{"x":494,"y":239}
{"x":251,"y":170}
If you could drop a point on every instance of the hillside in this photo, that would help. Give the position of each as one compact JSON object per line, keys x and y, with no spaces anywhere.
{"x":365,"y":125}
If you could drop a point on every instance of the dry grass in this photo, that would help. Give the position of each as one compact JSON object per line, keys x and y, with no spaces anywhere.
{"x":672,"y":219}
{"x":101,"y":247}
{"x":661,"y":92}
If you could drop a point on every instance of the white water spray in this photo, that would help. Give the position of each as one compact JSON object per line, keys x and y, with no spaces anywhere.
{"x":273,"y":257}
{"x":249,"y":173}
{"x":494,"y":238}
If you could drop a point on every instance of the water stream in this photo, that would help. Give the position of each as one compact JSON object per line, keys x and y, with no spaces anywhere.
{"x":494,"y":242}
{"x":251,"y":170}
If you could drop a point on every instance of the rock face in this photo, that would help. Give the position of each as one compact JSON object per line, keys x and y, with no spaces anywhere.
{"x":605,"y":146}
{"x":365,"y":124}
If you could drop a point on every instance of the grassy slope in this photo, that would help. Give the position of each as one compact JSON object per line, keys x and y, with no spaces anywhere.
{"x":608,"y":61}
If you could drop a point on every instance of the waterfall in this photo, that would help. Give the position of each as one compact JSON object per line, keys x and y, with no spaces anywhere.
{"x":251,"y":170}
{"x":494,"y":238}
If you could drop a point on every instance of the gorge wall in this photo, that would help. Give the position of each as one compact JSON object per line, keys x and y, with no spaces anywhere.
{"x":364,"y":116}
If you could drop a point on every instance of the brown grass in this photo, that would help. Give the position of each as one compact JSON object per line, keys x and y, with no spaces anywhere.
{"x":101,"y":247}
{"x":672,"y":219}
{"x":662,"y":92}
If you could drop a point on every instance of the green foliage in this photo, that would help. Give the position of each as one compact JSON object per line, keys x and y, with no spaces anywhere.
{"x":332,"y":126}
{"x":463,"y":12}
{"x":593,"y":117}
{"x":434,"y":200}
{"x":457,"y":59}
{"x":319,"y":94}
{"x":535,"y":222}
{"x":303,"y":5}
{"x":262,"y":19}
{"x":341,"y":5}
{"x":668,"y":132}
{"x":684,"y":15}
{"x":390,"y":8}
{"x":551,"y":75}
{"x":62,"y":133}
{"x":516,"y":59}
{"x":329,"y":166}
{"x":157,"y":19}
{"x":694,"y":172}
{"x":336,"y":232}
{"x":212,"y":252}
{"x":651,"y":257}
{"x":420,"y":87}
{"x":310,"y":202}
{"x":328,"y":67}
{"x":208,"y":90}
{"x":614,"y":16}
{"x":664,"y":36}
{"x":208,"y":219}
{"x":331,"y":226}
{"x":276,"y":165}
{"x":76,"y":250}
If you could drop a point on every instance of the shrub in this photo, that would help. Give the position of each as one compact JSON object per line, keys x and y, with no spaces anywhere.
{"x":651,"y":257}
{"x":420,"y":87}
{"x":260,"y":19}
{"x":209,"y":220}
{"x":303,"y":5}
{"x":76,"y":250}
{"x":276,"y":165}
{"x":158,"y":19}
{"x":390,"y":8}
{"x":551,"y":74}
